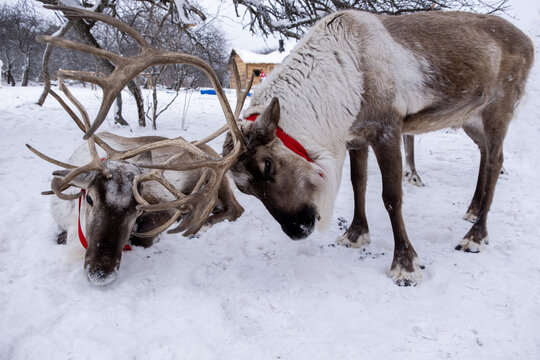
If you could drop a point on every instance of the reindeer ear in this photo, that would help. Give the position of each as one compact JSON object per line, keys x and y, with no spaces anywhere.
{"x":266,"y":125}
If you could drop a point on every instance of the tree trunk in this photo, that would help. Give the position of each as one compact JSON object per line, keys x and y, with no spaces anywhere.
{"x":45,"y":63}
{"x":83,"y":29}
{"x":9,"y":77}
{"x":118,"y":119}
{"x":154,"y":107}
{"x":136,"y":92}
{"x":26,"y":71}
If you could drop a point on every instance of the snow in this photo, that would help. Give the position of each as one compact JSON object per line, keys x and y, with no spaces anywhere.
{"x":244,"y":290}
{"x":180,"y":5}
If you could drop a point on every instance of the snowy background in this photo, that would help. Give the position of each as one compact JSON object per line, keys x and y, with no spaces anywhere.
{"x":244,"y":290}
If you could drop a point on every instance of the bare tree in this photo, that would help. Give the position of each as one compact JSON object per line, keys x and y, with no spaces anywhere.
{"x":150,"y":17}
{"x":19,"y":25}
{"x":84,"y":31}
{"x":291,"y":18}
{"x":46,"y":76}
{"x":165,"y":28}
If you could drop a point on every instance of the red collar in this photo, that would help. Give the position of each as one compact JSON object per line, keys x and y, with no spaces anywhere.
{"x":82,"y":238}
{"x":287,"y":140}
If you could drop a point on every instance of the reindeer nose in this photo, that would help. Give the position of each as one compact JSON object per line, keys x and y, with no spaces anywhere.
{"x":101,"y":274}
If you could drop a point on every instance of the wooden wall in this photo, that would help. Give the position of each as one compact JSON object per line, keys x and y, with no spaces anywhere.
{"x":245,"y":71}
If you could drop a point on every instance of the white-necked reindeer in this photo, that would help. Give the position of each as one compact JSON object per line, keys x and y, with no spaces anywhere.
{"x":357,"y":80}
{"x":106,"y":214}
{"x":121,"y":192}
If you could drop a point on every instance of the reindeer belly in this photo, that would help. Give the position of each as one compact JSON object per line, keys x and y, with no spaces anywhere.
{"x":444,"y":116}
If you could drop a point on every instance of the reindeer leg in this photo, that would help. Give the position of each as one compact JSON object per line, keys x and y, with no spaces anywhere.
{"x":410,"y":173}
{"x":357,"y":235}
{"x":477,"y":135}
{"x":404,"y":270}
{"x":494,"y":130}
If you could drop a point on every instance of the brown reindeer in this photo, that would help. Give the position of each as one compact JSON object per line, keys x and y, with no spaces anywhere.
{"x":358,"y":80}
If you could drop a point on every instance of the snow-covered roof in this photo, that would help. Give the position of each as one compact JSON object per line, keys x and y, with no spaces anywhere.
{"x":274,"y":57}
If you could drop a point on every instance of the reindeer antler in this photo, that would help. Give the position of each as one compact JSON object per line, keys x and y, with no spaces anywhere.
{"x":194,"y":207}
{"x":128,"y":68}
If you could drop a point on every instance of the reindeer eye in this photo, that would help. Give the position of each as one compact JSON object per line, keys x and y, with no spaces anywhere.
{"x":89,"y":200}
{"x":267,"y":168}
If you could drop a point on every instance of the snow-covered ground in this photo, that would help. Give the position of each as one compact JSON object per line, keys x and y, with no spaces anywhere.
{"x":243,"y":290}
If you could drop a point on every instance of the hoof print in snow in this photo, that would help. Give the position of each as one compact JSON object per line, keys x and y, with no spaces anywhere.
{"x":342,"y":224}
{"x":368,"y":254}
{"x":406,"y":282}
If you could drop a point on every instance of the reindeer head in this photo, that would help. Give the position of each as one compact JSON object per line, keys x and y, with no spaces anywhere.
{"x":287,"y":184}
{"x":108,"y":209}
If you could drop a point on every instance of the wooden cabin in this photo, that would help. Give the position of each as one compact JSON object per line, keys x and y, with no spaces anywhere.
{"x":248,"y":62}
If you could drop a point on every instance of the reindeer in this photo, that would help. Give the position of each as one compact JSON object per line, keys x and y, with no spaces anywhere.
{"x":357,"y":80}
{"x":123,"y":199}
{"x":110,"y":189}
{"x":107,"y":207}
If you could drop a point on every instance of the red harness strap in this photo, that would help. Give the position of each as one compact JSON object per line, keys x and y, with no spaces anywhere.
{"x":82,"y":238}
{"x":288,"y":141}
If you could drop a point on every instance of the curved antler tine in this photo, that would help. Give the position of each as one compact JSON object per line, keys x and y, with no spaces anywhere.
{"x":73,"y":45}
{"x":161,"y":228}
{"x":163,"y":143}
{"x":211,"y":137}
{"x":181,"y":167}
{"x":110,"y":92}
{"x":80,"y":170}
{"x":194,"y":220}
{"x":57,"y":187}
{"x":75,"y":102}
{"x":168,"y":205}
{"x":66,"y":107}
{"x":78,"y":13}
{"x":49,"y":159}
{"x":240,"y":95}
{"x":101,"y":81}
{"x":186,"y":200}
{"x":109,"y":150}
{"x":156,"y":177}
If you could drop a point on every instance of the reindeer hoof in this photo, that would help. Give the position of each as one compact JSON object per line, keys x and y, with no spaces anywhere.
{"x":62,"y":238}
{"x":471,"y":246}
{"x":412,"y":177}
{"x":403,"y":277}
{"x":470,"y":216}
{"x":361,"y":241}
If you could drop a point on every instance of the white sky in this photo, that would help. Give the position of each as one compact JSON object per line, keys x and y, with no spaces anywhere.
{"x":523,"y":12}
